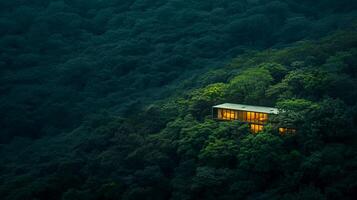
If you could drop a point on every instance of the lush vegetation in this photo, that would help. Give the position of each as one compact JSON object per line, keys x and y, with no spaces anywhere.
{"x":172,"y":148}
{"x":106,"y":100}
{"x":79,"y":57}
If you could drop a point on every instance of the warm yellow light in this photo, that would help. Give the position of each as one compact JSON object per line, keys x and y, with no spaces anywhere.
{"x":263,"y":117}
{"x":283,"y":131}
{"x":249,"y":116}
{"x":255,"y":128}
{"x":227,"y":114}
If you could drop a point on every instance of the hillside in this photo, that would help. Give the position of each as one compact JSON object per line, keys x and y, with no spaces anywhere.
{"x":61,"y":60}
{"x":171,"y":149}
{"x":106,"y":100}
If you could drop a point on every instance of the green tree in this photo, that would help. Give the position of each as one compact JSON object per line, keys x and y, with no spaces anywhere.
{"x":219,"y":152}
{"x":202,"y":100}
{"x":250,"y":86}
{"x":261,"y":154}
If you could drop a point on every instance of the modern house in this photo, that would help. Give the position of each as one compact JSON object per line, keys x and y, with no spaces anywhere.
{"x":255,"y":116}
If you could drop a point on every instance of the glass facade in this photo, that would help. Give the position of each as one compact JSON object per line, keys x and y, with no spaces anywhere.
{"x":255,"y":128}
{"x":256,"y":120}
{"x":244,"y":116}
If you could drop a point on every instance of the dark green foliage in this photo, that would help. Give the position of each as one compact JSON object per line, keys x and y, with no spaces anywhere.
{"x":250,"y":86}
{"x":85,"y":56}
{"x":171,"y":149}
{"x":105,"y":100}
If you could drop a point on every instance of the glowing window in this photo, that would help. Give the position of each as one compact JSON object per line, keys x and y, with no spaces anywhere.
{"x":283,"y":131}
{"x":255,"y":128}
{"x":263,"y":118}
{"x":227,"y":114}
{"x":249,"y":117}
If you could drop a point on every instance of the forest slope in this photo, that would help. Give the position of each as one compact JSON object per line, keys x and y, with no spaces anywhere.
{"x":63,"y":60}
{"x":172,"y":148}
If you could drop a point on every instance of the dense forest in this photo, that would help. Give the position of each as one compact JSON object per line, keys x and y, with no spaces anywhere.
{"x":105,"y":100}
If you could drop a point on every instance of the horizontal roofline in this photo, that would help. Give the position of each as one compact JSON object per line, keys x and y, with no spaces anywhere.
{"x":252,"y":108}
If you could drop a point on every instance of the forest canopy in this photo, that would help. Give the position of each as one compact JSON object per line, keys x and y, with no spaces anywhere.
{"x":62,"y":60}
{"x":105,"y":100}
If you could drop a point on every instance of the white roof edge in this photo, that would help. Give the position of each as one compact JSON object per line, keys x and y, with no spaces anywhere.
{"x":244,"y":107}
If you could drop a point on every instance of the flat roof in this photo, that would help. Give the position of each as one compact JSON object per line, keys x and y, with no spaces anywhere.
{"x":261,"y":109}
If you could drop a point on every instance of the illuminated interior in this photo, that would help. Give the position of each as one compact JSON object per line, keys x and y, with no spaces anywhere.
{"x":256,"y":120}
{"x":283,"y":131}
{"x":255,"y":128}
{"x":244,"y":116}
